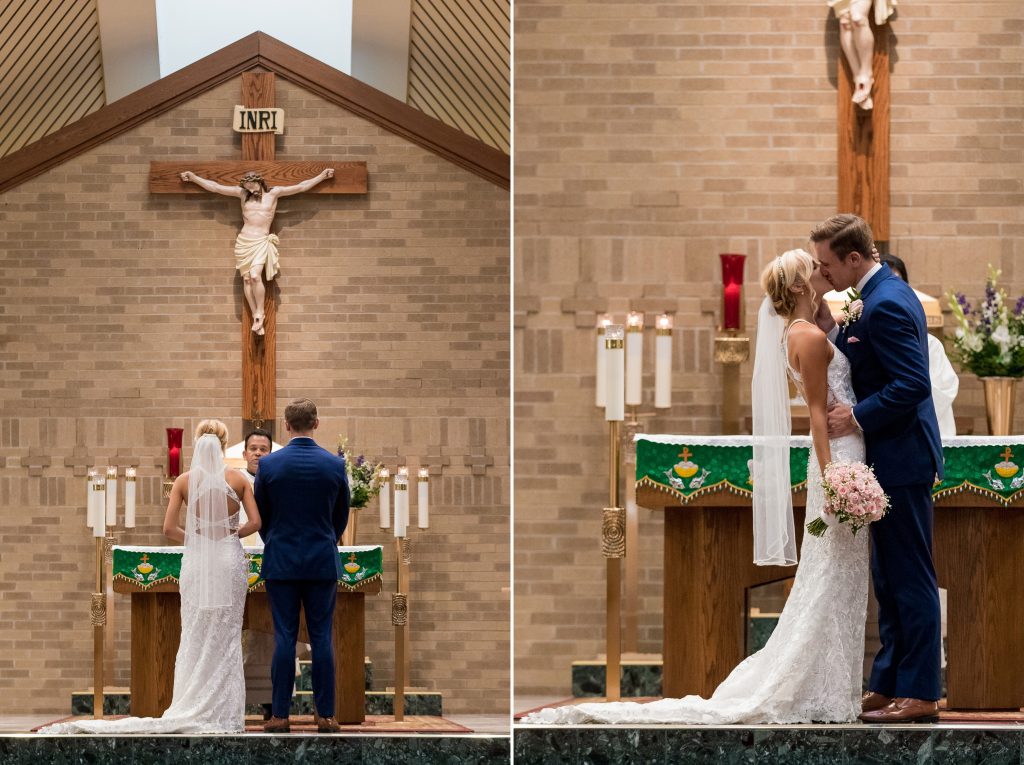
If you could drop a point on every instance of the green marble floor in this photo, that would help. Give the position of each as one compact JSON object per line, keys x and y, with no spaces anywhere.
{"x":777,"y":745}
{"x":256,"y":749}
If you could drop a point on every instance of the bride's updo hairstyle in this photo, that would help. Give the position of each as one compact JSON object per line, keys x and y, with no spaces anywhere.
{"x":792,"y":268}
{"x":213,"y":427}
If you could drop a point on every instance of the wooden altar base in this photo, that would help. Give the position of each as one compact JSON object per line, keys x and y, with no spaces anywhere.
{"x":156,"y":631}
{"x":776,"y":744}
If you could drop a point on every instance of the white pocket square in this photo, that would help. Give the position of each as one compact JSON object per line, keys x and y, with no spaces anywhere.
{"x":852,"y":340}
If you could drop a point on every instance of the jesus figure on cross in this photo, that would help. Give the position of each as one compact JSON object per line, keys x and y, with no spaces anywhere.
{"x":256,"y":247}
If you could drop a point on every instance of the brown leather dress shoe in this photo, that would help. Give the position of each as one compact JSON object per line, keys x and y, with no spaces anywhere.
{"x":903,"y":710}
{"x":277,"y":725}
{"x":872,"y":701}
{"x":326,"y":724}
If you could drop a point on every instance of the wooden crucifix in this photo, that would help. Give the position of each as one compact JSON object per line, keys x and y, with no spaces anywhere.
{"x":259,"y":336}
{"x":863,"y":169}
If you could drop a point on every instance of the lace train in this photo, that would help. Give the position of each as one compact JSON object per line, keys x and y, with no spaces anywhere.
{"x":209,"y":685}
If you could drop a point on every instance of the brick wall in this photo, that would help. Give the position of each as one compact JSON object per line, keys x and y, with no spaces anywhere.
{"x":652,"y":136}
{"x":119,"y":316}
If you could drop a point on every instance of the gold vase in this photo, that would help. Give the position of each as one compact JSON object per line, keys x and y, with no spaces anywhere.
{"x":1000,"y":393}
{"x":348,"y":536}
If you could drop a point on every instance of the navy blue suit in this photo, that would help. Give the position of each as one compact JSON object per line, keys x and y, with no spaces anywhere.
{"x":302,"y":493}
{"x":888,"y":352}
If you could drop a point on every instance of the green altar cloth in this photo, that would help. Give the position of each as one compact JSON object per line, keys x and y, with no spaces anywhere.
{"x":145,"y":567}
{"x":687,"y":467}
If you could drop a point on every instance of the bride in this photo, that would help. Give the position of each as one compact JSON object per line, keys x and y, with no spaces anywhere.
{"x":812,"y":666}
{"x":209,"y":687}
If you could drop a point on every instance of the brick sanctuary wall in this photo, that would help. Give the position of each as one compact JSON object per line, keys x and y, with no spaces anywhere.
{"x":120,"y":316}
{"x":652,"y":136}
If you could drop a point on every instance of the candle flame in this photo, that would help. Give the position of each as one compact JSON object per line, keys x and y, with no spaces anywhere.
{"x":111,"y":473}
{"x":129,"y":472}
{"x":636,"y":319}
{"x":664,"y":321}
{"x":424,"y":473}
{"x":603,"y":320}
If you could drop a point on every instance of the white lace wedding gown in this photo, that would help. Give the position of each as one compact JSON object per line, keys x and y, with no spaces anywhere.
{"x":811,"y":669}
{"x":209,"y":685}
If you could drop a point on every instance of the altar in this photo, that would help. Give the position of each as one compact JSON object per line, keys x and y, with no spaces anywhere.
{"x":150,"y":575}
{"x":703,"y":484}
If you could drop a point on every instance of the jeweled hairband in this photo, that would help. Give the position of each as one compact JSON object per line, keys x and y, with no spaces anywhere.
{"x":782,"y":274}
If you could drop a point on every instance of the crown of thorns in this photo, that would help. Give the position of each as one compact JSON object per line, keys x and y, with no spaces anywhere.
{"x":253,"y":178}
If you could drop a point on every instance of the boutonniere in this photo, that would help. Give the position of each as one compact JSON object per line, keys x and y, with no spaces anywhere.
{"x":853,"y":308}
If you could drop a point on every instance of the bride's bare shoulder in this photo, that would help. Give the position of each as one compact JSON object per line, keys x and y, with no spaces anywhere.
{"x":809,"y":342}
{"x":235,"y":479}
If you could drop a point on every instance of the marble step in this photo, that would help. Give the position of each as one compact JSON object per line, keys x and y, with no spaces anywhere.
{"x":117,"y":701}
{"x":637,"y":677}
{"x":248,"y":748}
{"x":535,"y":744}
{"x":304,"y":681}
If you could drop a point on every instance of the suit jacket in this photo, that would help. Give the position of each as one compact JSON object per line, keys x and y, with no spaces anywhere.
{"x":888,"y":352}
{"x":303,"y":496}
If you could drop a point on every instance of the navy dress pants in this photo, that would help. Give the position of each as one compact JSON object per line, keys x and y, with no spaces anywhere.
{"x":317,"y":599}
{"x":903,"y":575}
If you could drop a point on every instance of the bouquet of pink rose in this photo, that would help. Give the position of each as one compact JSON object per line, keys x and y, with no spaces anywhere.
{"x":852,"y":496}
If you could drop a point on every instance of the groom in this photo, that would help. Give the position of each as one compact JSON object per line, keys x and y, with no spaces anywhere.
{"x":303,"y":495}
{"x":887,"y":345}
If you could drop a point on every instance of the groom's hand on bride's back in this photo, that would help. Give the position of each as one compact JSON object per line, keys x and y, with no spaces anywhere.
{"x":841,"y":421}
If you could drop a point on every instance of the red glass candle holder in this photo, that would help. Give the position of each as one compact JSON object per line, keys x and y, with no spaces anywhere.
{"x":732,"y":290}
{"x":174,"y":452}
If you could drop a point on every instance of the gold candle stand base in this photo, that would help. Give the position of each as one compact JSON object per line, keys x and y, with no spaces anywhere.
{"x":731,"y":350}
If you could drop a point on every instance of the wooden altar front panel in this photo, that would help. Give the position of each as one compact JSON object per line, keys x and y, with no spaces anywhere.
{"x":979,"y":560}
{"x":156,"y":632}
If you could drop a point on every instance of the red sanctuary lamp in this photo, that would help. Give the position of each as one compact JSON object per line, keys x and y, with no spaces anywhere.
{"x":732,"y":290}
{"x":731,"y":349}
{"x":173,"y":459}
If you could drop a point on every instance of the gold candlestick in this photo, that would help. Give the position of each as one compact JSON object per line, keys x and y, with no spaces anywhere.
{"x":613,"y":529}
{"x":399,"y":619}
{"x":731,"y":350}
{"x":99,"y":620}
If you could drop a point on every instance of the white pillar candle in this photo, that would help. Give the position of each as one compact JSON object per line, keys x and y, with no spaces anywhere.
{"x":615,"y":408}
{"x":111,"y":496}
{"x":634,"y":358}
{"x":384,"y":498}
{"x":401,"y":502}
{"x":603,"y":321}
{"x":422,"y":499}
{"x":99,"y":528}
{"x":663,"y":363}
{"x":129,"y":498}
{"x":90,"y":500}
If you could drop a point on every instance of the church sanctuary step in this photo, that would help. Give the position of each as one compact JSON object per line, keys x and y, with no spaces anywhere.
{"x":304,"y":681}
{"x":641,"y":673}
{"x":946,"y":742}
{"x":367,"y":746}
{"x":640,"y":676}
{"x":117,"y":701}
